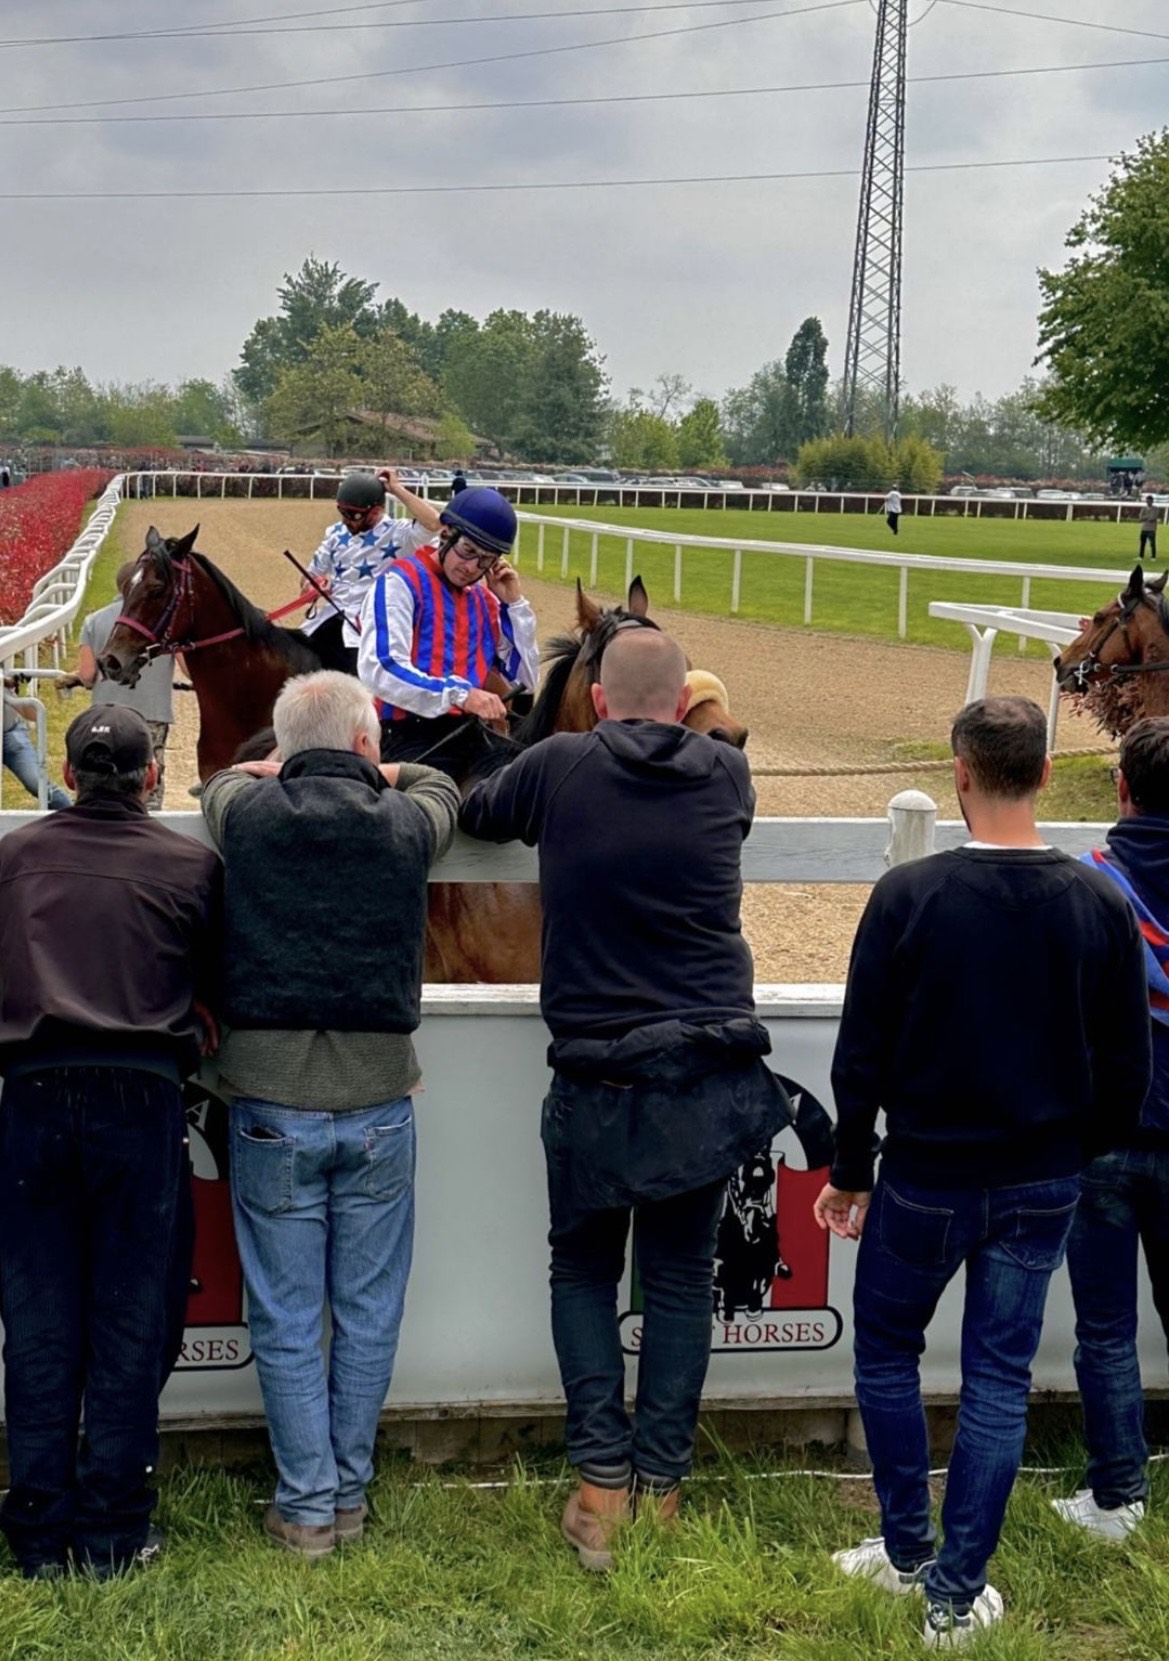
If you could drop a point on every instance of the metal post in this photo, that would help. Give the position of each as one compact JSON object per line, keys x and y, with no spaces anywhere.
{"x":1024,"y":606}
{"x":736,"y":579}
{"x":677,"y":572}
{"x":628,"y":564}
{"x":564,"y":551}
{"x":809,"y":568}
{"x":540,"y":548}
{"x":593,"y":562}
{"x":903,"y":602}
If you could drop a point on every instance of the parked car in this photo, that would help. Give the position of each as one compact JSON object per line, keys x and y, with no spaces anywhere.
{"x":786,"y":487}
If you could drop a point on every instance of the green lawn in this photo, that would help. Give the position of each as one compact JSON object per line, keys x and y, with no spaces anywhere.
{"x":452,"y":1573}
{"x":848,"y":599}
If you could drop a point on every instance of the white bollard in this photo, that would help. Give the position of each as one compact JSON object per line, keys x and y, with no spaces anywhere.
{"x":912,"y":817}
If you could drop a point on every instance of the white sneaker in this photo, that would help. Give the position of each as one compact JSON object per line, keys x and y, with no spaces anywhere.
{"x":945,"y":1630}
{"x":1083,"y":1511}
{"x":870,"y":1561}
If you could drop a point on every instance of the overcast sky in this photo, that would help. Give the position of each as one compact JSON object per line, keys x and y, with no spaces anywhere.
{"x":709,"y":280}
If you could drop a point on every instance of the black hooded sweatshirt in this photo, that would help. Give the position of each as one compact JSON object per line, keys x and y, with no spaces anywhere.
{"x":640,"y":827}
{"x":1140,"y":846}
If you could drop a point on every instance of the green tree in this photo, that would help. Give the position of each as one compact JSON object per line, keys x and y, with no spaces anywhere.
{"x":1104,"y":325}
{"x":201,"y":407}
{"x":317,"y":297}
{"x":141,"y":416}
{"x":700,"y":438}
{"x":917,"y":466}
{"x":756,"y":418}
{"x":393,"y":381}
{"x":320,"y":395}
{"x":843,"y":463}
{"x":533,"y":385}
{"x":641,"y":440}
{"x":805,"y":371}
{"x":453,"y":439}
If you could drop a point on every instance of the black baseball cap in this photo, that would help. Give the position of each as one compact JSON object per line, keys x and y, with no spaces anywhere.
{"x":108,"y":738}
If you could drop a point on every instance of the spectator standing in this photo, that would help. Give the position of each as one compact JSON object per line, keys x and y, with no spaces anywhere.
{"x":1124,"y":1206}
{"x":893,"y":509}
{"x":996,"y":1011}
{"x":364,"y":542}
{"x":658,"y":1091}
{"x":459,"y":482}
{"x":95,"y":1198}
{"x":20,"y":756}
{"x":152,"y":695}
{"x":320,"y":1002}
{"x":1149,"y":518}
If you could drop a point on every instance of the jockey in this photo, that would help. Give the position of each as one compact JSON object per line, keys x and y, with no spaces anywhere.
{"x":432,"y":629}
{"x":356,"y":550}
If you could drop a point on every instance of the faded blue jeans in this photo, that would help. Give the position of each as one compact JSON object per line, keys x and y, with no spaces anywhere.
{"x":324,"y":1209}
{"x":1010,"y":1241}
{"x":1124,"y":1205}
{"x":20,"y":757}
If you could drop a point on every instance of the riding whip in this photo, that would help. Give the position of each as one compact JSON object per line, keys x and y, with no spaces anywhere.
{"x":322,"y":593}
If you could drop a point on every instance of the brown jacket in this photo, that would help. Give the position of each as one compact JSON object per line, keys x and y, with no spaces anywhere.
{"x":110,"y":928}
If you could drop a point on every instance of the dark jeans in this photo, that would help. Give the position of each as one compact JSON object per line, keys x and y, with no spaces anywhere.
{"x":94,"y":1223}
{"x":1124,"y":1205}
{"x":891,"y":520}
{"x":1010,"y":1241}
{"x":675,"y":1262}
{"x":1149,"y":537}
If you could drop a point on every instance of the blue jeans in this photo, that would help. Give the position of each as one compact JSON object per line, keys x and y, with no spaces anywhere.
{"x":324,"y":1208}
{"x":95,"y":1264}
{"x":1125,"y":1204}
{"x":20,"y":757}
{"x":915,"y":1240}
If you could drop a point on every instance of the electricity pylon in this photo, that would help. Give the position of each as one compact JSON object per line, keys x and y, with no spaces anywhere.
{"x":873,"y":353}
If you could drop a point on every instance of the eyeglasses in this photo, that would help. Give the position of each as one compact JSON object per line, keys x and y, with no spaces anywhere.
{"x":354,"y":513}
{"x":471,"y":554}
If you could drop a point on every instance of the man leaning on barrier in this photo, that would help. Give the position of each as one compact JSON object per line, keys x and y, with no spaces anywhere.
{"x":1124,"y":1206}
{"x":321,"y":995}
{"x":658,"y":1091}
{"x":109,"y":933}
{"x":996,"y":1012}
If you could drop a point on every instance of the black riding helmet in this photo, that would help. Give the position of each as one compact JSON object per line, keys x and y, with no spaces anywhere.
{"x":361,"y":490}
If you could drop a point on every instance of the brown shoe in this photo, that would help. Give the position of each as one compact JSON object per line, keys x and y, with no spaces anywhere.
{"x":302,"y":1539}
{"x":590,"y":1520}
{"x":659,"y":1505}
{"x":350,"y":1525}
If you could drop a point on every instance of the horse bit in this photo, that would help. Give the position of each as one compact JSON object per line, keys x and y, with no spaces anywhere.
{"x":1089,"y":665}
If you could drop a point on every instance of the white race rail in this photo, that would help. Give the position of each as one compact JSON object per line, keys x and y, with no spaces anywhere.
{"x":57,"y":596}
{"x":983,"y":623}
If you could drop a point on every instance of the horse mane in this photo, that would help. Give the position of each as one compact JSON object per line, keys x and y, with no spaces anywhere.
{"x":560,"y":657}
{"x":258,"y":629}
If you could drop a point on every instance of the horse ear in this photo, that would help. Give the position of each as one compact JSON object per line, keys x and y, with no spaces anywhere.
{"x":154,"y":542}
{"x":1136,"y":584}
{"x":588,"y":613}
{"x":1157,"y":586}
{"x":182,"y":547}
{"x":638,"y":602}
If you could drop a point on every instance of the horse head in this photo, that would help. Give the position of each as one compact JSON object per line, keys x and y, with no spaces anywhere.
{"x":566,"y":705}
{"x":151,"y":604}
{"x":1130,"y":631}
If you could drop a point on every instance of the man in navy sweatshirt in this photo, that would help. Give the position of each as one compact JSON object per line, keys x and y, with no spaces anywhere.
{"x":996,"y":1011}
{"x":1125,"y":1199}
{"x":658,"y":1091}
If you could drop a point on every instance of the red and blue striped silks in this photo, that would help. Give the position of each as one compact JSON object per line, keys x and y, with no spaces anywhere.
{"x":1154,"y":935}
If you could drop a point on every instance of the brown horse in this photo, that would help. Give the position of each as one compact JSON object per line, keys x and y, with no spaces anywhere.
{"x":238,"y":660}
{"x":1118,"y":668}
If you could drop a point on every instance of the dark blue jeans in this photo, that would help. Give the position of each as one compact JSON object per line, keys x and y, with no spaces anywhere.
{"x":94,"y":1225}
{"x":1010,"y":1241}
{"x":675,"y":1260}
{"x":1124,"y":1206}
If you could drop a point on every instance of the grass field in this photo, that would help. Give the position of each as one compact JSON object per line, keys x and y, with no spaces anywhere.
{"x":847,"y":599}
{"x":452,"y":1573}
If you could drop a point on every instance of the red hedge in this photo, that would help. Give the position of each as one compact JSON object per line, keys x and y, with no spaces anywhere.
{"x":39,"y":522}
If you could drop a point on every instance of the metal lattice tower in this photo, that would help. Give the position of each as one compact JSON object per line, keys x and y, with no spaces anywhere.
{"x":873,"y":354}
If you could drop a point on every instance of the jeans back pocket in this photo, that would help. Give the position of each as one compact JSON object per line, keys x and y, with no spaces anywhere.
{"x":390,"y":1157}
{"x":261,"y":1168}
{"x":917,"y":1236}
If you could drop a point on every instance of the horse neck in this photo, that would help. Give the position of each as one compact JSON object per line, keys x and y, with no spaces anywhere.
{"x":236,"y":683}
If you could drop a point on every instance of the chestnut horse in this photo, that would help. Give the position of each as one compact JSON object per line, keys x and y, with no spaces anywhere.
{"x":1119,"y":666}
{"x":238,"y":660}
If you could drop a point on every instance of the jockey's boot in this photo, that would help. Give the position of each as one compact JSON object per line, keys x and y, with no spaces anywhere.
{"x":656,"y":1498}
{"x":593,"y":1515}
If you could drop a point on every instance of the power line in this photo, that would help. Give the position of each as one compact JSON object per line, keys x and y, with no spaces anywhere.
{"x":288,"y":194}
{"x":430,"y":68}
{"x":241,"y":31}
{"x":1046,"y":17}
{"x":462,"y":106}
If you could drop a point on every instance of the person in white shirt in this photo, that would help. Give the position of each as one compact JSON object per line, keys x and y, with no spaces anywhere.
{"x":893,"y":509}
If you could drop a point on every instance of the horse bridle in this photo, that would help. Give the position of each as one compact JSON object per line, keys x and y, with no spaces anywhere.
{"x":1090,"y":665}
{"x":162,"y":640}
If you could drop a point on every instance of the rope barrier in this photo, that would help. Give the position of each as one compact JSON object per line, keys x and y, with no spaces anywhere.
{"x":867,"y":769}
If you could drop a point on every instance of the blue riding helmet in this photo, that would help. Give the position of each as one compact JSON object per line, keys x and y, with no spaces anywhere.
{"x":484,"y":516}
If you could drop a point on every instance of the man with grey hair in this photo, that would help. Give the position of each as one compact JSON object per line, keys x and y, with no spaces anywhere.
{"x":659,"y":1091}
{"x":320,"y":999}
{"x":109,"y":933}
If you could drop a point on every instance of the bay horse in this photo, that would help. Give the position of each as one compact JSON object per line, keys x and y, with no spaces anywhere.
{"x":1118,"y":667}
{"x":237,"y":660}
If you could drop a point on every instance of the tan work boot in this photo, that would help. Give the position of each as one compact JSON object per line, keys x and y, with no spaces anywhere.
{"x":350,"y":1525}
{"x":590,"y":1520}
{"x":302,"y":1539}
{"x":659,"y":1505}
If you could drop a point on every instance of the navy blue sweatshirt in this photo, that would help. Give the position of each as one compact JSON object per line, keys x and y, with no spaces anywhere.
{"x":640,"y":827}
{"x":996,"y":1010}
{"x":1140,"y":846}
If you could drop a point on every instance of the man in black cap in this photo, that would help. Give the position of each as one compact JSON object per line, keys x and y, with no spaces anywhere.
{"x":109,"y":931}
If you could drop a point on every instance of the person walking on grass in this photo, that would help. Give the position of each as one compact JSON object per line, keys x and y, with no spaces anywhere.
{"x":1124,"y":1206}
{"x":320,"y":1001}
{"x":1149,"y":518}
{"x":996,"y":1011}
{"x":893,"y":509}
{"x":658,"y":1092}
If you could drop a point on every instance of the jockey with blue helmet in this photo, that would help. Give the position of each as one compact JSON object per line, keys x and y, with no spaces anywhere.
{"x":443,"y":618}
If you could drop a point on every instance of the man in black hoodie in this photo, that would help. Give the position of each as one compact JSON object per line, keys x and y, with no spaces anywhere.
{"x":658,"y":1091}
{"x":1125,"y":1199}
{"x":996,"y":1011}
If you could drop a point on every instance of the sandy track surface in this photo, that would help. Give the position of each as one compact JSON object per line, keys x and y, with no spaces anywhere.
{"x":810,"y":700}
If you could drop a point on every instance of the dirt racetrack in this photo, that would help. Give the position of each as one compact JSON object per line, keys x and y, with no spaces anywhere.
{"x":810,"y":700}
